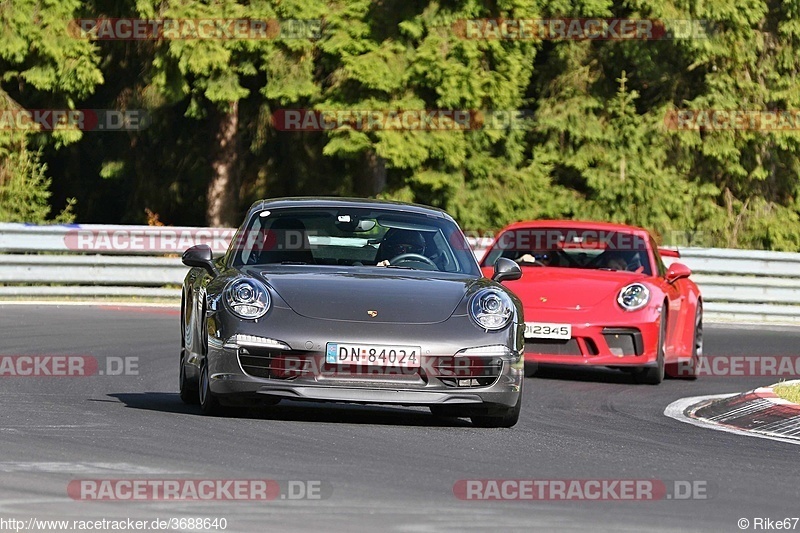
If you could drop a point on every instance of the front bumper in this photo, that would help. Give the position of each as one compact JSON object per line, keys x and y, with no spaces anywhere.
{"x":608,"y":344}
{"x":295,"y":367}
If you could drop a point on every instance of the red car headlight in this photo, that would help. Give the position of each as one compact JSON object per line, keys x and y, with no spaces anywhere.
{"x":633,"y":297}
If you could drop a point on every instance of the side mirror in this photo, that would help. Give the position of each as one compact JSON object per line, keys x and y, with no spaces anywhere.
{"x":200,"y":256}
{"x":506,"y":270}
{"x":677,"y":271}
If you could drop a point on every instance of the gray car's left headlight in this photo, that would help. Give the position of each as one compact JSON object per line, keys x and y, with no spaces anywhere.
{"x":247,"y":298}
{"x":633,"y":297}
{"x":491,"y":309}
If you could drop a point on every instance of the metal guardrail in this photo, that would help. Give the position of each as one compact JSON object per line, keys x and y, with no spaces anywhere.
{"x":747,"y":285}
{"x":142,"y":261}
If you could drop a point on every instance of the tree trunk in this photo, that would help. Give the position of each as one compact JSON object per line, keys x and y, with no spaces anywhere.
{"x":222,"y":208}
{"x":372,"y":179}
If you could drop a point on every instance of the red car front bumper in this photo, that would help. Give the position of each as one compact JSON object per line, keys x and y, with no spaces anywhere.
{"x":621,"y":344}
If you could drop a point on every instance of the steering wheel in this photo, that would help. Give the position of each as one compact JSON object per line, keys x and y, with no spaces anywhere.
{"x":570,"y":261}
{"x":412,"y":257}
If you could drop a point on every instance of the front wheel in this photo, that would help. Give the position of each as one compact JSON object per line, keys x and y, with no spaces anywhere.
{"x":208,"y":403}
{"x":505,"y":420}
{"x":689,"y":370}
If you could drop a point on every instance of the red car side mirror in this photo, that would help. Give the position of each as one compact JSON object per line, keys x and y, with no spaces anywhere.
{"x":677,"y":271}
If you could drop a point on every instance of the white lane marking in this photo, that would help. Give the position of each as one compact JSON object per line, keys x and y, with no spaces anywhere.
{"x":675,"y":410}
{"x":58,"y":467}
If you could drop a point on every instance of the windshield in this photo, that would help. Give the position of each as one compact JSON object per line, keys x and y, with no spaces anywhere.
{"x":353,"y":237}
{"x":573,"y":248}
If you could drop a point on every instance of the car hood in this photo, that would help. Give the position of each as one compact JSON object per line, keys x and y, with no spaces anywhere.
{"x":569,"y":288}
{"x":397,"y":297}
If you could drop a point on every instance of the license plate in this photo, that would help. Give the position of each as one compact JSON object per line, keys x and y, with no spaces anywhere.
{"x":339,"y":353}
{"x":546,"y":330}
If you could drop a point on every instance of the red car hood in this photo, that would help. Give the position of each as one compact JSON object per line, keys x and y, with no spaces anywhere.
{"x":567,"y":288}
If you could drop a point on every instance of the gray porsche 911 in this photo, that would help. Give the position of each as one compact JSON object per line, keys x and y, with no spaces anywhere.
{"x":348,"y":300}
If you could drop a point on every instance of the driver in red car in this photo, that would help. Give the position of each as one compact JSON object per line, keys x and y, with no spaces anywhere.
{"x":536,"y":258}
{"x":398,"y":242}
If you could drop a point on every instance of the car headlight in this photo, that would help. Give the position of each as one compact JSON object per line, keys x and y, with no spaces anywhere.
{"x":247,"y":298}
{"x":491,"y":309}
{"x":633,"y":297}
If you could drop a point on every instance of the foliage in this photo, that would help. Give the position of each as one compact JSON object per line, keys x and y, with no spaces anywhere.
{"x":24,"y":191}
{"x":597,"y":143}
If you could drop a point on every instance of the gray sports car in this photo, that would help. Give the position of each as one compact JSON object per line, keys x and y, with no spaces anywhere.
{"x":348,"y":300}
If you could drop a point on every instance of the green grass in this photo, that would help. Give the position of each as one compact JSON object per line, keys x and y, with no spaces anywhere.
{"x":788,"y":392}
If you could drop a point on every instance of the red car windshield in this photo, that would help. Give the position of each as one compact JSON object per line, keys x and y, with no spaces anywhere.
{"x":573,"y":248}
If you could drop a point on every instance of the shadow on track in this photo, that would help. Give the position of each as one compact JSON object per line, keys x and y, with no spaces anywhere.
{"x":288,"y":410}
{"x":586,"y":374}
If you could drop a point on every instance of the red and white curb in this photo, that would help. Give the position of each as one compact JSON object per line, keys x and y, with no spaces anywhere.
{"x":757,"y":413}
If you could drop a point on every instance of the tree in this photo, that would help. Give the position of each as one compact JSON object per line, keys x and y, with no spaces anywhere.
{"x":43,"y":66}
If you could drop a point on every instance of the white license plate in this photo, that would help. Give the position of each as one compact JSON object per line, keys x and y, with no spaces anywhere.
{"x":546,"y":330}
{"x":339,"y":353}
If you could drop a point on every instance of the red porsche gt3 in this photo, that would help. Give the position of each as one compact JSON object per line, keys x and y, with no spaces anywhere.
{"x":599,"y":294}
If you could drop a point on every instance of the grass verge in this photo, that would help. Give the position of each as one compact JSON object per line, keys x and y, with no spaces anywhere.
{"x":788,"y":392}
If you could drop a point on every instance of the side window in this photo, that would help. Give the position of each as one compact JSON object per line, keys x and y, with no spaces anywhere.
{"x":250,"y":238}
{"x":443,"y":257}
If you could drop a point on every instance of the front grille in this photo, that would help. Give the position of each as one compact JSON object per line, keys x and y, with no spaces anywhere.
{"x":466,"y":371}
{"x":553,"y":347}
{"x":275,"y":364}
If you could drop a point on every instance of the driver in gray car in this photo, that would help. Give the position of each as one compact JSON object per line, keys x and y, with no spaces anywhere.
{"x":398,"y":242}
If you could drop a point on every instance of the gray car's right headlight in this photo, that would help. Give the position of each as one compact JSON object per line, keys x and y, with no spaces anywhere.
{"x":491,"y":309}
{"x":247,"y":298}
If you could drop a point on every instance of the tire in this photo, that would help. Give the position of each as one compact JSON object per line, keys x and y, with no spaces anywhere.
{"x":654,"y":376}
{"x":208,"y":402}
{"x":689,"y":369}
{"x":697,"y":345}
{"x":188,"y":391}
{"x":505,"y":420}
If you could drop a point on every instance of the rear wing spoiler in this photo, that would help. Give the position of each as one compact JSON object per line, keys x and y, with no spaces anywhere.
{"x":669,"y":252}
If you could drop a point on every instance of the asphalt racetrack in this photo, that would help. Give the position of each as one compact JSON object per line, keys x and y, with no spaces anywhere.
{"x":369,"y":468}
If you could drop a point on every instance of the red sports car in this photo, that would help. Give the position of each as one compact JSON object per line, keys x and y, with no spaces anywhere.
{"x":599,"y":294}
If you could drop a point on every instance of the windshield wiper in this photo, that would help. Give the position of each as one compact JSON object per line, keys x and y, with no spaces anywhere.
{"x":293,"y":263}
